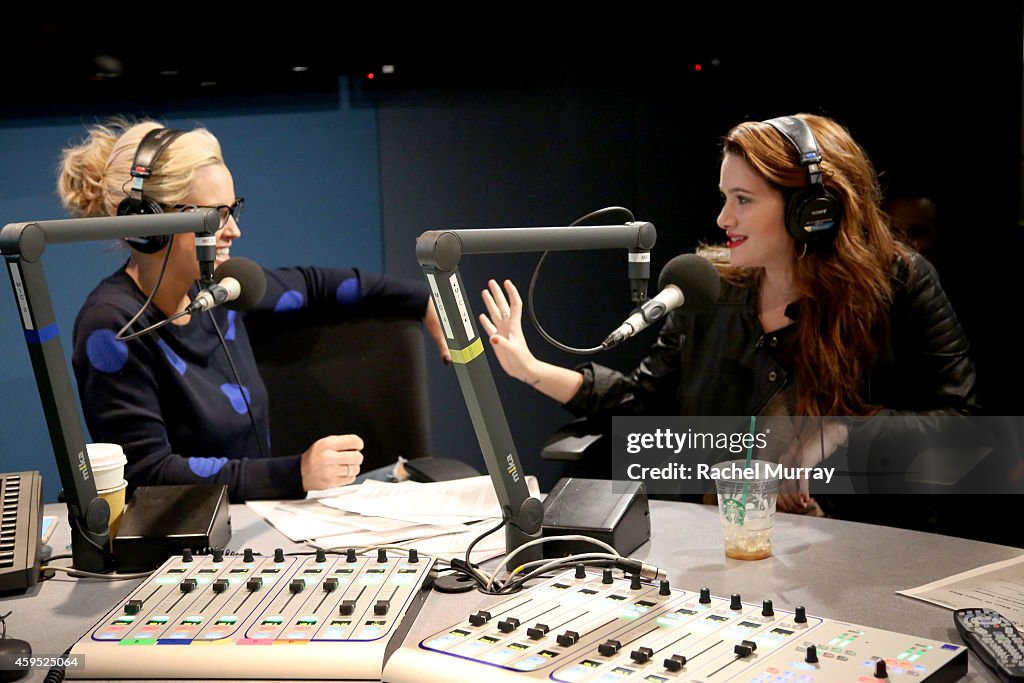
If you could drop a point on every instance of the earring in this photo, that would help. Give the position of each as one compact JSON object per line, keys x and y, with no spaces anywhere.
{"x":802,"y":253}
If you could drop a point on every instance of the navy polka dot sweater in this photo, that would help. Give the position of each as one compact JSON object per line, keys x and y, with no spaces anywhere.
{"x":170,"y":398}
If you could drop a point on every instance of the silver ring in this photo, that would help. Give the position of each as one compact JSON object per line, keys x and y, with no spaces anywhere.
{"x":505,"y":315}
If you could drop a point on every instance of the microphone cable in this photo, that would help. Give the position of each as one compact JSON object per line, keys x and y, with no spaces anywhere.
{"x":238,"y":380}
{"x":533,"y":283}
{"x":120,"y":336}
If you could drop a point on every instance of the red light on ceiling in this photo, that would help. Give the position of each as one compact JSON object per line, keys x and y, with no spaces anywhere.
{"x":369,"y":76}
{"x":697,"y":67}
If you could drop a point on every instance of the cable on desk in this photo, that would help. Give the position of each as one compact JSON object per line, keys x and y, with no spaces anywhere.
{"x":79,"y":574}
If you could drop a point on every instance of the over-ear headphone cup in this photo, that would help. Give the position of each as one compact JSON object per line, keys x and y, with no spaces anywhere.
{"x":816,"y":207}
{"x":146,"y":245}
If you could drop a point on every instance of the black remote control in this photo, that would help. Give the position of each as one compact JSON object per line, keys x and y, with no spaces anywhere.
{"x":995,"y":640}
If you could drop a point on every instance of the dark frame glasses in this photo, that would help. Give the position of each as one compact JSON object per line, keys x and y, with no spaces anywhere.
{"x":225,"y":211}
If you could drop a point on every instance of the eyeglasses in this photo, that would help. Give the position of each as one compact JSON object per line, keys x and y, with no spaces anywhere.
{"x":225,"y":211}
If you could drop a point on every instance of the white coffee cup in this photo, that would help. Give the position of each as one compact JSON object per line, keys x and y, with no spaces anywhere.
{"x":107,"y":461}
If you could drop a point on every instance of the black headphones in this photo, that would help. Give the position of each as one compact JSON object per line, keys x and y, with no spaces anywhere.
{"x":148,"y":151}
{"x":812,"y":213}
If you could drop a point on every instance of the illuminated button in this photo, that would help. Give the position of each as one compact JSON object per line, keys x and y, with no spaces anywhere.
{"x":347,"y":607}
{"x":609,"y":647}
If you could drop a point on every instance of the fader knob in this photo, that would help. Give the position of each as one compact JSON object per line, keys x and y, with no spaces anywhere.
{"x":297,"y":586}
{"x":247,"y":555}
{"x":880,"y":669}
{"x":188,"y":585}
{"x":220,"y":585}
{"x":414,"y":556}
{"x":382,"y":555}
{"x":664,"y":588}
{"x":480,"y":618}
{"x":634,"y":582}
{"x":811,"y":656}
{"x":278,"y":555}
{"x":321,"y":556}
{"x":186,"y":555}
{"x":537,"y":631}
{"x":508,"y":625}
{"x":350,"y":555}
{"x":767,"y":610}
{"x":347,"y":607}
{"x":381,"y":607}
{"x":133,"y":607}
{"x":705,"y":596}
{"x":675,"y":663}
{"x":606,"y":576}
{"x":330,"y":585}
{"x":800,"y":615}
{"x":641,"y":655}
{"x":254,"y":584}
{"x":734,"y":602}
{"x":609,"y":647}
{"x":568,"y":639}
{"x":218,"y":555}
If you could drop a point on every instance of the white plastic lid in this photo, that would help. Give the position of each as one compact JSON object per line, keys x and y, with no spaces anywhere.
{"x":105,"y":456}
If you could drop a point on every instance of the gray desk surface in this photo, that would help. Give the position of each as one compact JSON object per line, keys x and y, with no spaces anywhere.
{"x":841,"y":570}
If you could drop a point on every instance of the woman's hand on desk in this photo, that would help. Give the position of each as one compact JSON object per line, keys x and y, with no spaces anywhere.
{"x":813,"y":446}
{"x":331,"y":461}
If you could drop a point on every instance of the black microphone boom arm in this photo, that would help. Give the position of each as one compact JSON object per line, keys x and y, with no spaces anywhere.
{"x":439,"y":253}
{"x":22,"y":246}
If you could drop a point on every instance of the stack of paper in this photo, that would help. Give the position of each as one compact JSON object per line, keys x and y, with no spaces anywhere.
{"x":438,"y":519}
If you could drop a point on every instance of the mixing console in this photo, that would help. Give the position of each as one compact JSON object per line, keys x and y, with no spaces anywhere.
{"x":582,"y":627}
{"x":255,"y":616}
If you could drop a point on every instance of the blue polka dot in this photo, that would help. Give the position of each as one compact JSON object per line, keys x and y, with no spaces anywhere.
{"x":230,"y":334}
{"x":105,"y":352}
{"x":290,"y":301}
{"x":348,"y":292}
{"x":235,"y":395}
{"x":174,"y":359}
{"x":206,"y":467}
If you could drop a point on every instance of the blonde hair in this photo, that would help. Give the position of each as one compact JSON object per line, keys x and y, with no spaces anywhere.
{"x":95,"y":175}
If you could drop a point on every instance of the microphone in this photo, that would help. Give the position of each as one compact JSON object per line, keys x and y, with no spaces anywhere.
{"x":686,"y":279}
{"x":239,"y":283}
{"x":206,"y":254}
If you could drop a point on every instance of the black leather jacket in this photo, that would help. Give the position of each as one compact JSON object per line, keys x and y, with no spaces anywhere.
{"x":722,"y":362}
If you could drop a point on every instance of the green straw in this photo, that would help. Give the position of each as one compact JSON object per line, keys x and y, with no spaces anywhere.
{"x":750,"y":453}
